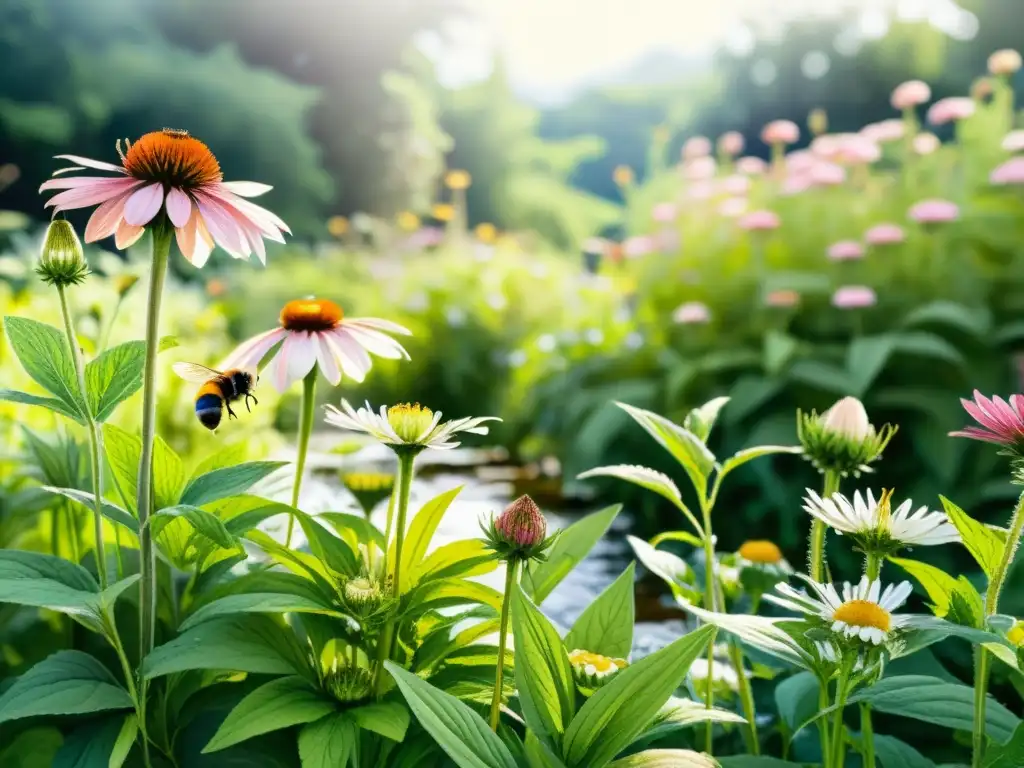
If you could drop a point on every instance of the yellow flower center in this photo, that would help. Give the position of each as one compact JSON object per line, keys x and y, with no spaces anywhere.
{"x":173,"y":158}
{"x":603,"y":664}
{"x":486,"y":232}
{"x":443,"y":212}
{"x":360,"y":590}
{"x":311,"y":315}
{"x":337,"y":225}
{"x":1016,"y":634}
{"x":863,"y":613}
{"x":408,"y":221}
{"x":410,"y":420}
{"x":457,"y":179}
{"x":368,"y":481}
{"x":761,"y":551}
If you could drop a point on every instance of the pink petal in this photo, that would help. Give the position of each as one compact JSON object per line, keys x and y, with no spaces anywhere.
{"x":144,"y":204}
{"x":104,"y":220}
{"x":179,"y":207}
{"x":295,"y":359}
{"x":246,"y":188}
{"x":220,"y":224}
{"x":359,"y":362}
{"x":90,"y":163}
{"x":379,"y":325}
{"x":186,"y":235}
{"x":204,"y":244}
{"x":251,"y":352}
{"x":127,"y":234}
{"x":327,"y":360}
{"x":75,"y":182}
{"x":99,"y":191}
{"x":268,"y":222}
{"x":376,"y":342}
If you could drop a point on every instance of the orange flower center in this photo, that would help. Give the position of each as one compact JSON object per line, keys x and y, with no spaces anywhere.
{"x":863,"y":613}
{"x":311,"y":315}
{"x":760,"y":551}
{"x":173,"y":158}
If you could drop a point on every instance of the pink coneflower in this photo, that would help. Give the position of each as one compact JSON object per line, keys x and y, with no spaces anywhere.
{"x":737,"y":184}
{"x":760,"y":221}
{"x":858,"y":150}
{"x":854,"y":297}
{"x":691,"y":313}
{"x":953,"y":108}
{"x":696,"y":146}
{"x":1010,"y":172}
{"x":751,"y":166}
{"x":845,"y":250}
{"x":782,"y":298}
{"x":884,"y":234}
{"x":827,"y":145}
{"x":700,"y":168}
{"x":1000,"y":422}
{"x":172,"y":172}
{"x":1013,"y":141}
{"x":664,"y":212}
{"x":934,"y":212}
{"x":795,"y":184}
{"x":732,"y":207}
{"x":731,"y":143}
{"x":826,"y":174}
{"x":800,"y":161}
{"x":316,"y":332}
{"x":780,"y":132}
{"x":700,"y":190}
{"x":884,"y":131}
{"x":910,"y":94}
{"x":926,"y":143}
{"x":1004,"y":62}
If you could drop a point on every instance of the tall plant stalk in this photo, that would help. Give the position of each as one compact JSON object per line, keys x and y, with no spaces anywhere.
{"x":838,"y":729}
{"x":872,"y":569}
{"x":817,"y":547}
{"x":511,"y":569}
{"x":305,"y":430}
{"x":94,"y":440}
{"x":983,"y":659}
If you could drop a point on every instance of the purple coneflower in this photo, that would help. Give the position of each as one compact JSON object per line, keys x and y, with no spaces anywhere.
{"x":854,"y":297}
{"x":845,"y":250}
{"x":884,"y":234}
{"x":910,"y":94}
{"x":934,"y":211}
{"x":1001,"y":422}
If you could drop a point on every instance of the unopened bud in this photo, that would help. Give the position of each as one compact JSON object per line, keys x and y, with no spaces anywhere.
{"x":124,"y":283}
{"x":848,"y":418}
{"x":522,"y":525}
{"x":62,"y":261}
{"x":842,"y":439}
{"x":817,"y":121}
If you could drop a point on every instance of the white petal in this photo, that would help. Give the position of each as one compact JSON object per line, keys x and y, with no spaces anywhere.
{"x":247,"y":188}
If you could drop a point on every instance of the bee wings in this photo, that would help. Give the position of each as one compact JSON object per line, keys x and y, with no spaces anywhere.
{"x":196,"y":373}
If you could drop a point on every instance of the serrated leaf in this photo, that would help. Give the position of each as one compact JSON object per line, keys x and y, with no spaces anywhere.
{"x":569,"y":549}
{"x":936,"y":582}
{"x":227,"y":481}
{"x":606,"y":625}
{"x":204,"y":523}
{"x":44,"y":354}
{"x":700,"y":421}
{"x":65,"y":683}
{"x":113,"y":377}
{"x":984,"y":544}
{"x":328,"y":742}
{"x":51,"y":403}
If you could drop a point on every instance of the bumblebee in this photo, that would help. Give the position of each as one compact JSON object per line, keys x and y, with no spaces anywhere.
{"x":218,"y":390}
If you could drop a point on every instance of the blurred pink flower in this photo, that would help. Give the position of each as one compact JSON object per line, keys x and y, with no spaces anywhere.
{"x":700,"y":168}
{"x":827,"y":145}
{"x":692,"y":312}
{"x":1010,"y":172}
{"x":953,"y":108}
{"x":696,"y":146}
{"x":638,"y":245}
{"x":795,"y":184}
{"x":780,"y":132}
{"x":926,"y":143}
{"x":427,"y":237}
{"x":934,"y":211}
{"x":854,"y":297}
{"x":762,"y":220}
{"x":700,"y":190}
{"x":884,"y":234}
{"x":799,"y":161}
{"x":751,"y":166}
{"x":884,"y":131}
{"x":1004,"y":62}
{"x":1000,"y":422}
{"x":736,"y":184}
{"x":664,"y":212}
{"x":825,"y":174}
{"x":910,"y":94}
{"x":856,"y":149}
{"x":731,"y":143}
{"x":783,"y":297}
{"x":1014,"y":141}
{"x":733,"y":207}
{"x":845,"y":250}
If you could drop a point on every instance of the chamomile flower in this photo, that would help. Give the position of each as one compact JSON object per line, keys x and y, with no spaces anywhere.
{"x":406,"y":426}
{"x":862,"y":612}
{"x":592,"y":670}
{"x":876,"y":527}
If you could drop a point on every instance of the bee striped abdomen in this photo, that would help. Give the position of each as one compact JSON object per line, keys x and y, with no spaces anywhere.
{"x":210,"y":404}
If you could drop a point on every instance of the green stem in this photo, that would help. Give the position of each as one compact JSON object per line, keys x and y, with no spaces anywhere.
{"x":94,"y":444}
{"x":867,"y":735}
{"x":129,"y":677}
{"x":995,"y":587}
{"x":305,"y":429}
{"x":511,"y":567}
{"x":842,"y":691}
{"x":826,"y":751}
{"x":818,"y":528}
{"x":162,"y":234}
{"x":710,"y":603}
{"x":746,"y":699}
{"x":873,"y":567}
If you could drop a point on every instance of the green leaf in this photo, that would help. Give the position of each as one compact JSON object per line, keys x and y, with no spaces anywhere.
{"x":90,"y":745}
{"x":278,"y":704}
{"x":110,"y":510}
{"x":167,"y":342}
{"x":685,"y":447}
{"x":779,"y":348}
{"x":66,"y":683}
{"x":796,"y":699}
{"x":678,"y":713}
{"x":45,"y":581}
{"x":113,"y":377}
{"x":893,"y":753}
{"x":168,"y":475}
{"x":203,"y":522}
{"x":227,"y":481}
{"x":125,"y":742}
{"x":45,"y":356}
{"x":977,"y":322}
{"x":328,"y":742}
{"x":459,"y":731}
{"x":925,"y":344}
{"x":421,"y":531}
{"x":752,"y":761}
{"x":866,"y":358}
{"x":355,"y":529}
{"x":821,"y":376}
{"x":740,"y":458}
{"x":123,"y":450}
{"x":984,"y":544}
{"x":328,"y":548}
{"x":666,"y":758}
{"x":259,"y":602}
{"x":443,"y":593}
{"x":606,"y":625}
{"x":619,"y":711}
{"x":32,"y":748}
{"x":246,"y":643}
{"x":647,"y":478}
{"x":966,"y":606}
{"x":465,"y":557}
{"x":1008,"y":755}
{"x":700,"y":421}
{"x":569,"y":549}
{"x":389,"y":719}
{"x":670,"y":568}
{"x":936,"y":582}
{"x":51,"y":403}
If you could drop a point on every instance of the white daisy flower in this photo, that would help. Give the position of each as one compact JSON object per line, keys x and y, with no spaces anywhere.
{"x":764,"y":555}
{"x":876,"y":526}
{"x":405,"y":425}
{"x":723,"y":673}
{"x":863,"y":611}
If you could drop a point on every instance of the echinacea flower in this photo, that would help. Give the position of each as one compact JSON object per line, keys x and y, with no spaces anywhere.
{"x":663,"y":213}
{"x":854,"y":297}
{"x":169,"y":171}
{"x":826,"y":174}
{"x":593,"y":670}
{"x":782,"y":298}
{"x":737,"y":184}
{"x":368,"y":488}
{"x":733,"y":207}
{"x":760,"y":221}
{"x":405,"y":426}
{"x":519,"y":533}
{"x":700,"y":168}
{"x":751,"y":166}
{"x":692,"y":313}
{"x":845,"y":250}
{"x":934,"y":212}
{"x":61,"y":260}
{"x":1004,"y":62}
{"x":780,"y":132}
{"x":910,"y":94}
{"x":723,"y":675}
{"x":864,"y":612}
{"x":999,"y":421}
{"x":316,"y":332}
{"x":731,"y":143}
{"x":696,"y":146}
{"x":1010,"y":172}
{"x":951,"y":109}
{"x":926,"y":143}
{"x":876,"y":527}
{"x":842,"y":439}
{"x":884,"y":131}
{"x":884,"y":234}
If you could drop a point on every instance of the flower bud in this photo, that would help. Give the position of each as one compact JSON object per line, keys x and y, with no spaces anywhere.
{"x":62,"y":261}
{"x":124,"y":283}
{"x":842,"y":440}
{"x":1004,"y":62}
{"x":817,"y":121}
{"x":592,"y":670}
{"x":847,"y":418}
{"x":521,"y":524}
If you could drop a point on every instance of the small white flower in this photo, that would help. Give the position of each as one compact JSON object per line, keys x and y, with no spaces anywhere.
{"x":722,"y":673}
{"x":405,"y":425}
{"x":879,"y":525}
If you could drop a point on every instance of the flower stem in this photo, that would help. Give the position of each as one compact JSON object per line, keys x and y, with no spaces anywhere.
{"x":842,"y":691}
{"x":983,"y":665}
{"x":710,"y":604}
{"x":867,"y":735}
{"x":94,"y":444}
{"x":511,"y":568}
{"x":826,"y":750}
{"x":873,"y":567}
{"x":818,"y":528}
{"x":129,"y":677}
{"x":746,"y":699}
{"x":305,"y":429}
{"x":162,"y":234}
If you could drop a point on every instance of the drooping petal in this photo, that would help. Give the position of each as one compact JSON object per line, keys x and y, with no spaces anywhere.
{"x":77,"y":182}
{"x":377,"y":343}
{"x":186,"y":235}
{"x":353,"y":353}
{"x":251,"y":352}
{"x":295,"y":359}
{"x":204,"y":244}
{"x":179,"y":207}
{"x":104,"y":220}
{"x":221,"y":226}
{"x":327,"y":360}
{"x":144,"y":204}
{"x":90,"y":163}
{"x":267,"y":221}
{"x":127,"y":234}
{"x":246,"y":188}
{"x":378,"y":324}
{"x":99,"y":191}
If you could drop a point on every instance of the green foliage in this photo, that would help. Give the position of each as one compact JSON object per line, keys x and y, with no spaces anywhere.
{"x":606,"y":625}
{"x":113,"y":377}
{"x":66,"y":683}
{"x":44,"y":354}
{"x":567,"y":552}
